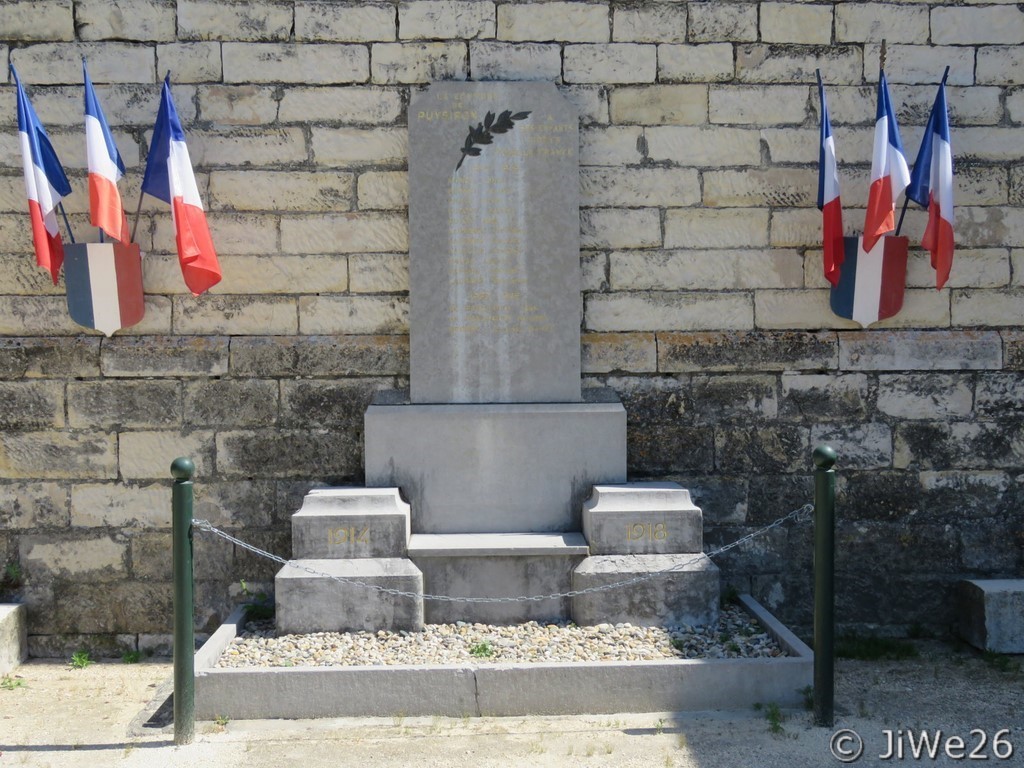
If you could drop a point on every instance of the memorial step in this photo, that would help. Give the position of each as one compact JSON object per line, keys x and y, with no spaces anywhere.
{"x":686,"y":595}
{"x":503,"y":565}
{"x":319,"y":603}
{"x":652,"y":518}
{"x":351,"y":523}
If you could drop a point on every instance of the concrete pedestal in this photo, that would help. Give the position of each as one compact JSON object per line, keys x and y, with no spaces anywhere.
{"x":351,"y":522}
{"x":496,"y":468}
{"x":13,"y":636}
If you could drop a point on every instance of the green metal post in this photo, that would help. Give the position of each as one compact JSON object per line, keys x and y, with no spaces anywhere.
{"x":824,"y":585}
{"x":182,"y":470}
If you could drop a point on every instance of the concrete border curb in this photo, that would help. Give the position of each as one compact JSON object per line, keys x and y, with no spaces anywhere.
{"x":498,"y":690}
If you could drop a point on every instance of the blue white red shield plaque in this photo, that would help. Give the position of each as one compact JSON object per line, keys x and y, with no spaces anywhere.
{"x":104,"y":285}
{"x":871,"y":283}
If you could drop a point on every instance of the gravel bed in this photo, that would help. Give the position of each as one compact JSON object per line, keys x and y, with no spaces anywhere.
{"x":736,"y":635}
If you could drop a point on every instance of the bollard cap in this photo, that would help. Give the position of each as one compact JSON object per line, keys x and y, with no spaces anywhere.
{"x":182,"y":468}
{"x":824,"y":457}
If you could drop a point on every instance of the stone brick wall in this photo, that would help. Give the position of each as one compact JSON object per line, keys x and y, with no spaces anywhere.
{"x":704,"y":303}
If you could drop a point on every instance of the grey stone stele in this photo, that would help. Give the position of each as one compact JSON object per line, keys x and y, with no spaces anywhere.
{"x":497,"y":565}
{"x":687,"y":595}
{"x":13,"y":636}
{"x":495,"y":468}
{"x":990,"y":614}
{"x":351,"y":522}
{"x":307,"y":603}
{"x":643,"y":519}
{"x":501,"y":690}
{"x":494,"y":270}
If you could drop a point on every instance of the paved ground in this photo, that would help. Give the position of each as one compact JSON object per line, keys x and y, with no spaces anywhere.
{"x":94,"y":717}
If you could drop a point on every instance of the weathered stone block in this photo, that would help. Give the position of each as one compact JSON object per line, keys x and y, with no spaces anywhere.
{"x":636,"y":311}
{"x":973,"y":25}
{"x":800,"y":23}
{"x":662,"y":450}
{"x":733,"y":398}
{"x":657,"y":23}
{"x":55,"y":455}
{"x":144,"y":455}
{"x":33,"y":505}
{"x":307,"y":603}
{"x":183,"y":356}
{"x":515,"y":61}
{"x":756,"y":104}
{"x":345,"y":147}
{"x":379,"y":272}
{"x":38,"y":20}
{"x":610,"y":63}
{"x":356,"y":23}
{"x":723,"y":228}
{"x":710,"y":269}
{"x":250,"y":21}
{"x":383,"y":190}
{"x":607,"y":352}
{"x":686,"y":595}
{"x":109,"y":62}
{"x":814,"y":398}
{"x":925,"y":395}
{"x":642,"y":519}
{"x":351,"y":523}
{"x":861,"y":22}
{"x":132,"y":404}
{"x":920,"y":350}
{"x":239,"y":315}
{"x":703,"y":147}
{"x":119,"y":506}
{"x":611,"y":146}
{"x":340,"y":402}
{"x":418,"y":62}
{"x":864,"y":446}
{"x":125,"y":20}
{"x":620,"y":228}
{"x":320,"y":356}
{"x":709,"y":63}
{"x":445,"y":19}
{"x":760,"y":63}
{"x":190,"y":63}
{"x":782,"y":448}
{"x":331,"y":455}
{"x":634,"y":187}
{"x":792,"y":350}
{"x":98,"y":559}
{"x":660,"y":105}
{"x":345,"y":233}
{"x":990,"y":614}
{"x":231,"y":402}
{"x":721,"y":21}
{"x":349,"y":105}
{"x":916,"y":64}
{"x":562,"y":21}
{"x":31,"y":404}
{"x":239,"y":104}
{"x":353,"y":314}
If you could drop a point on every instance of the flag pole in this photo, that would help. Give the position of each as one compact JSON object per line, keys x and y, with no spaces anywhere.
{"x":67,"y":223}
{"x":138,"y":210}
{"x":906,"y":200}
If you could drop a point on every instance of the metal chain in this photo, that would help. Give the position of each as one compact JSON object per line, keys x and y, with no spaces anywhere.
{"x":800,"y":515}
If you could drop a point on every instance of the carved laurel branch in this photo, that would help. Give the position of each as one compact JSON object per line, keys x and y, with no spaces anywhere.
{"x":484,"y":132}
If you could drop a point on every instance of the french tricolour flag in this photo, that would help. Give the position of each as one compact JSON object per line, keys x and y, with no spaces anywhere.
{"x":931,"y":186}
{"x":169,"y":177}
{"x":889,"y":172}
{"x":105,"y":169}
{"x":828,"y":195}
{"x":45,"y":184}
